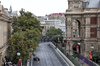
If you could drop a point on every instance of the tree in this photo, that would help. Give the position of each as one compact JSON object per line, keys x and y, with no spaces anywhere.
{"x":25,"y":21}
{"x":54,"y":33}
{"x":26,"y":31}
{"x":17,"y":44}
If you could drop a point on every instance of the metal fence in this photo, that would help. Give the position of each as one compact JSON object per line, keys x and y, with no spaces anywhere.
{"x":71,"y":58}
{"x":90,"y":63}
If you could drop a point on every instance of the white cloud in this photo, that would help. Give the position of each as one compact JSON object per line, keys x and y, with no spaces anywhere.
{"x":38,"y":7}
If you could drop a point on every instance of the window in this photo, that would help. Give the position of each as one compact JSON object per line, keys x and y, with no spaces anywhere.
{"x":93,"y":20}
{"x":75,"y":4}
{"x":93,"y":32}
{"x":75,"y":23}
{"x":75,"y":32}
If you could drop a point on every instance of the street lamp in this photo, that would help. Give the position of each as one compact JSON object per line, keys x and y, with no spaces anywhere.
{"x":79,"y":47}
{"x":18,"y":54}
{"x":78,"y":43}
{"x":92,"y":47}
{"x":59,"y":39}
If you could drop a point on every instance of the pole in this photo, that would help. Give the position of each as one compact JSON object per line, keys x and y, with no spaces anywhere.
{"x":69,"y":48}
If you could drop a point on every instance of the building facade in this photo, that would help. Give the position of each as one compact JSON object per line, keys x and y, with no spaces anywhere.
{"x":42,"y":18}
{"x":83,"y":26}
{"x":53,"y":22}
{"x":63,"y":28}
{"x":5,"y":32}
{"x":56,"y":20}
{"x":57,"y":16}
{"x":45,"y":27}
{"x":44,"y":24}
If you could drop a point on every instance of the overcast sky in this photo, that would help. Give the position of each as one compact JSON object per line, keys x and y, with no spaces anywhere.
{"x":37,"y":7}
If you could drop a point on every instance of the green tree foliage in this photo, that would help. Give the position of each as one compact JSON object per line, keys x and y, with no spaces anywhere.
{"x":25,"y":21}
{"x":54,"y":33}
{"x":26,"y":31}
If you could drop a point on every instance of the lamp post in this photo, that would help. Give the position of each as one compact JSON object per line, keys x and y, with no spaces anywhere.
{"x":63,"y":43}
{"x":92,"y":47}
{"x":78,"y":43}
{"x":59,"y":39}
{"x":18,"y":54}
{"x":79,"y":47}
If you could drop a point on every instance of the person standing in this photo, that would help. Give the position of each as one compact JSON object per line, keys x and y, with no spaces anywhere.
{"x":4,"y":64}
{"x":7,"y":64}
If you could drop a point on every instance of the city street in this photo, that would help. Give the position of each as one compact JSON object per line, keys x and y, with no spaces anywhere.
{"x":48,"y":56}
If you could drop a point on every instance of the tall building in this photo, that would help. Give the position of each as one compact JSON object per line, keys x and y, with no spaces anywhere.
{"x":83,"y":26}
{"x":5,"y":31}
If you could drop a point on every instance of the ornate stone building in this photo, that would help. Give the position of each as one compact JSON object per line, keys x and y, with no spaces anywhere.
{"x":5,"y":32}
{"x":83,"y":26}
{"x":57,"y":16}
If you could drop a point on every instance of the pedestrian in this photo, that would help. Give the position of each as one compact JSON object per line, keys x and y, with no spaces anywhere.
{"x":7,"y":64}
{"x":55,"y":46}
{"x":14,"y":64}
{"x":33,"y":50}
{"x":4,"y":64}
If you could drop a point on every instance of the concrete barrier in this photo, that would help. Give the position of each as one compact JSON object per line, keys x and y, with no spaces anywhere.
{"x":65,"y":58}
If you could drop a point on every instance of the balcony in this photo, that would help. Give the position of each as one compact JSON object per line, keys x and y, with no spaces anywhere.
{"x":76,"y":38}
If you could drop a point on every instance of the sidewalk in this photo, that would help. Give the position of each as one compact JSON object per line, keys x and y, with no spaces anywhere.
{"x":85,"y":64}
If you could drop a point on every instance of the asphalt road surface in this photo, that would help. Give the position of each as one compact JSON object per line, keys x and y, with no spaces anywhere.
{"x":48,"y":56}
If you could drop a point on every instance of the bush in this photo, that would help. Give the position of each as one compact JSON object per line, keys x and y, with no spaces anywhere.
{"x":75,"y":55}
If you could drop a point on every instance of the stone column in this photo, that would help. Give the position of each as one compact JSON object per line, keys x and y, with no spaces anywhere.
{"x":1,"y":59}
{"x":69,"y":48}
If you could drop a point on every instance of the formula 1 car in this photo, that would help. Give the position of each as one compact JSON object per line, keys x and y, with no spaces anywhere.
{"x":36,"y":59}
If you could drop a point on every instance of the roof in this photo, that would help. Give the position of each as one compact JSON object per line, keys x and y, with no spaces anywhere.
{"x":6,"y":10}
{"x":91,"y":3}
{"x":55,"y":14}
{"x":94,"y":4}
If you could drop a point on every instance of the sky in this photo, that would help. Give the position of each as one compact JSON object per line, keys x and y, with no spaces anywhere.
{"x":37,"y":7}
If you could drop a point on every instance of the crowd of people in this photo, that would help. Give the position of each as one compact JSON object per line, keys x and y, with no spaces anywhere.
{"x":8,"y":64}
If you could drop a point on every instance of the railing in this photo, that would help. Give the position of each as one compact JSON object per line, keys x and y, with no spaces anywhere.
{"x":90,"y":63}
{"x":71,"y":58}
